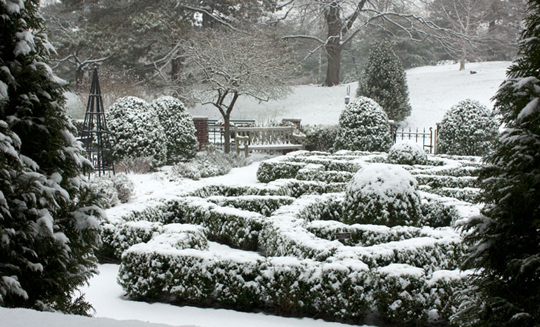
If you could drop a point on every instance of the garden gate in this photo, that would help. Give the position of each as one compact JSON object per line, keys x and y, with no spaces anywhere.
{"x":425,"y":138}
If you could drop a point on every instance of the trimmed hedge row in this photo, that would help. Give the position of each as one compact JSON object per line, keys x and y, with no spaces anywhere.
{"x":265,"y":205}
{"x":339,"y":291}
{"x":438,"y":181}
{"x":369,"y":235}
{"x":117,"y":238}
{"x":467,"y":194}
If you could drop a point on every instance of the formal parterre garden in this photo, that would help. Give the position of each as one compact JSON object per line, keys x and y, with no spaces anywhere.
{"x":335,"y":236}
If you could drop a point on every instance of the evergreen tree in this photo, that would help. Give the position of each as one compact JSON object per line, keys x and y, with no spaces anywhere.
{"x":505,"y":240}
{"x":384,"y":80}
{"x":48,"y":220}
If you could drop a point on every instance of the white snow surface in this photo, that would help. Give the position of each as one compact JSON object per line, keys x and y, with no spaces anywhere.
{"x":433,"y":90}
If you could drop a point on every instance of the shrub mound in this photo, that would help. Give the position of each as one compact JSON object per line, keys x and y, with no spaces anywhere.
{"x":382,"y":194}
{"x":363,"y":126}
{"x":468,"y":128}
{"x":407,"y":153}
{"x":179,"y":128}
{"x":136,"y":131}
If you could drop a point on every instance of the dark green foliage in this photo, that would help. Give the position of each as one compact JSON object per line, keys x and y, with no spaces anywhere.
{"x":363,"y":126}
{"x":179,"y":129}
{"x":384,"y":80}
{"x":48,"y":217}
{"x":506,"y":240}
{"x":320,"y":138}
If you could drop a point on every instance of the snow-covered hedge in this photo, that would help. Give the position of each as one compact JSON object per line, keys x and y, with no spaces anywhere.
{"x":382,"y":194}
{"x":289,"y":286}
{"x":265,"y":205}
{"x":369,"y":235}
{"x":136,"y":131}
{"x":272,"y":170}
{"x":439,"y":181}
{"x":363,"y":126}
{"x":437,"y":214}
{"x":467,"y":194}
{"x":117,"y":238}
{"x":317,"y":172}
{"x":407,"y":153}
{"x":342,"y":290}
{"x":399,"y":295}
{"x":468,"y":128}
{"x":179,"y":128}
{"x":319,"y":137}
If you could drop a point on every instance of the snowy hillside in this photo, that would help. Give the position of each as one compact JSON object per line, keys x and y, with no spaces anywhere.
{"x":432,"y":90}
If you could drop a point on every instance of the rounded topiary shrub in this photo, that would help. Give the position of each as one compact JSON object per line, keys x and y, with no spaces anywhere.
{"x":136,"y":131}
{"x":179,"y":128}
{"x":407,"y":153}
{"x":382,"y":194}
{"x":468,"y":128}
{"x":363,"y":126}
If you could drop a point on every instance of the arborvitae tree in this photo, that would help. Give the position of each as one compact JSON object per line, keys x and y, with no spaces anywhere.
{"x":384,"y":80}
{"x":505,"y":240}
{"x":48,"y":218}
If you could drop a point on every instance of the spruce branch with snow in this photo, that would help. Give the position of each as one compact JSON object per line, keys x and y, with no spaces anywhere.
{"x":49,"y":218}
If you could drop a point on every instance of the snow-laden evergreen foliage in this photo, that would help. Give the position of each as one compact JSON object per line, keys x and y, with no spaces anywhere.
{"x":363,"y":126}
{"x":179,"y":129}
{"x":136,"y":131}
{"x":407,"y":153}
{"x":468,"y":128}
{"x":505,"y":240}
{"x":48,"y":219}
{"x":382,"y":194}
{"x":384,"y":80}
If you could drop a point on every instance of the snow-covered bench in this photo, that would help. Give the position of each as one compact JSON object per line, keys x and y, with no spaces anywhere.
{"x":268,"y":138}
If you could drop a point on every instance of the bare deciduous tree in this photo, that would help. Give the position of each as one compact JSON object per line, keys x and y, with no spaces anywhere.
{"x":344,"y":19}
{"x":226,"y":65}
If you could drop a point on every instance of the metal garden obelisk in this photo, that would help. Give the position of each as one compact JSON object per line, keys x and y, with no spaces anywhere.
{"x":95,"y":135}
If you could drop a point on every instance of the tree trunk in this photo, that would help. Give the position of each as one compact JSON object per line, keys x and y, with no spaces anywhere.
{"x":79,"y":75}
{"x":333,"y":51}
{"x":333,"y":46}
{"x":227,"y":133}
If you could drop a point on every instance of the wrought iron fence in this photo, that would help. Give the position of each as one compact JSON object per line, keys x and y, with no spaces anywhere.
{"x":426,"y":138}
{"x":216,"y":131}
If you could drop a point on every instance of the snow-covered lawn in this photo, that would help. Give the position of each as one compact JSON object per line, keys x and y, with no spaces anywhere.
{"x":432,"y":91}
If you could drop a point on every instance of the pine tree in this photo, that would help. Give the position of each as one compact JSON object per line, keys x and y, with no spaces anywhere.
{"x":505,"y":240}
{"x":48,"y":220}
{"x":384,"y":80}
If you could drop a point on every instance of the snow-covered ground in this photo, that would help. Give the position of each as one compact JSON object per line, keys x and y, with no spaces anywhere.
{"x":432,"y":91}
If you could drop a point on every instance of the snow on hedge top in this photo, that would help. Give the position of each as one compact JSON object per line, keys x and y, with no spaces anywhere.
{"x":398,"y":270}
{"x":383,"y":180}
